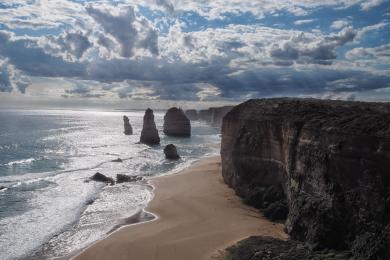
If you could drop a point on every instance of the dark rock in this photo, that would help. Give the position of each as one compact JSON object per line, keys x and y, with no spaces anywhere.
{"x":192,"y":114}
{"x":264,"y":248}
{"x":277,"y":210}
{"x":120,"y":178}
{"x":170,"y":152}
{"x":90,"y":201}
{"x":102,"y":178}
{"x":117,"y":160}
{"x":128,"y":128}
{"x":332,"y":160}
{"x":176,"y":123}
{"x":149,"y":134}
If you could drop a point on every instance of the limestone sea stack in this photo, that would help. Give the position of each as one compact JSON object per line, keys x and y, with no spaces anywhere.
{"x":170,"y":152}
{"x":149,"y":134}
{"x":128,"y":128}
{"x":192,"y":114}
{"x":176,"y":123}
{"x":327,"y":161}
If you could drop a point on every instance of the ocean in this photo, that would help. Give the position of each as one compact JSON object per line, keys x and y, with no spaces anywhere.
{"x":48,"y":207}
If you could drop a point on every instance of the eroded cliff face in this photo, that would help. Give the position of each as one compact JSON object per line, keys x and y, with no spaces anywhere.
{"x":330,"y":160}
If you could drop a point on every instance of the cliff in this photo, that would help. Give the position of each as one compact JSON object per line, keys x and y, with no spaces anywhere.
{"x":214,"y":115}
{"x":176,"y":123}
{"x":192,"y":114}
{"x":327,"y":162}
{"x":149,"y":134}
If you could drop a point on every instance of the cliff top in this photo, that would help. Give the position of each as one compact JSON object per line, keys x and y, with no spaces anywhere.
{"x":348,"y":117}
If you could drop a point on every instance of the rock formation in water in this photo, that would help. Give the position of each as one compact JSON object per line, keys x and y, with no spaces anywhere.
{"x":192,"y":114}
{"x":176,"y":123}
{"x":170,"y":152}
{"x":120,"y":178}
{"x":327,"y":162}
{"x":102,"y":178}
{"x":149,"y":134}
{"x":128,"y":128}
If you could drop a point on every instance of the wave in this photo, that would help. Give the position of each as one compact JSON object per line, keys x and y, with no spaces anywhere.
{"x":23,"y":161}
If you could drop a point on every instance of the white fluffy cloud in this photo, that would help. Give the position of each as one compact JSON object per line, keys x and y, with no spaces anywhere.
{"x":116,"y":48}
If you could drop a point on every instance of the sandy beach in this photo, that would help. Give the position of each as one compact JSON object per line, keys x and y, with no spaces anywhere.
{"x":198,"y":215}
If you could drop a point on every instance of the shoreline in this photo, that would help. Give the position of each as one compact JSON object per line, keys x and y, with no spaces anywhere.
{"x":201,"y":212}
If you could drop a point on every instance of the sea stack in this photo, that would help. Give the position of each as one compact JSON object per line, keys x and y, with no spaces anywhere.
{"x":326,"y":161}
{"x":149,"y":134}
{"x":192,"y":114}
{"x":170,"y":152}
{"x":176,"y":123}
{"x":128,"y":128}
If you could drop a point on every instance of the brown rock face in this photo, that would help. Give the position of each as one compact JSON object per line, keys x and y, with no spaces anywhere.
{"x":128,"y":128}
{"x":170,"y":152}
{"x":192,"y":114}
{"x":328,"y":161}
{"x":149,"y":134}
{"x":176,"y":123}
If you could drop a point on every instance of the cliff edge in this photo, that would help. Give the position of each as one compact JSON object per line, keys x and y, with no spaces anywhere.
{"x":323,"y":166}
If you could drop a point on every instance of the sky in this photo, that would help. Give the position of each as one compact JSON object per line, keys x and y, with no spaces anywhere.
{"x":162,"y":52}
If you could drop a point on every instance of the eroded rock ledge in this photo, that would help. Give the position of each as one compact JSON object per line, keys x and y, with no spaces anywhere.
{"x":330,"y":160}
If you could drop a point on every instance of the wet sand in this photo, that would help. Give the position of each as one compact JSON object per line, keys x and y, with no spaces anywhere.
{"x":198,"y":215}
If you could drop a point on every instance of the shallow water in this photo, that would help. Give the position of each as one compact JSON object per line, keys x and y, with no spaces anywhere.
{"x":46,"y":156}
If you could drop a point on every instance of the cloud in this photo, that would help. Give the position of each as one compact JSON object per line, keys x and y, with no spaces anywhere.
{"x":368,"y":4}
{"x":71,"y":45}
{"x":168,"y":6}
{"x":339,"y":24}
{"x":301,"y":22}
{"x":11,"y":78}
{"x":26,"y":56}
{"x":304,"y":49}
{"x":379,"y":53}
{"x":129,"y":31}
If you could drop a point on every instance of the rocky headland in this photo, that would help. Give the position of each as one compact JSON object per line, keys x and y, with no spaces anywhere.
{"x":149,"y":134}
{"x":176,"y":123}
{"x":320,"y":166}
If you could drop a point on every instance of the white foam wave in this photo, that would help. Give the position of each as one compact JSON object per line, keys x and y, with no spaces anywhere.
{"x":23,"y":161}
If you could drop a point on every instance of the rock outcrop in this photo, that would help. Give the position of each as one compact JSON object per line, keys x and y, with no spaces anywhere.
{"x":149,"y":134}
{"x":176,"y":123}
{"x":102,"y":178}
{"x":192,"y":114}
{"x":327,"y":161}
{"x":120,"y":178}
{"x":128,"y":128}
{"x":170,"y":152}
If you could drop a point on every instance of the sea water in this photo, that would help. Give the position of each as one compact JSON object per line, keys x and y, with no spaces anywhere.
{"x":48,"y":207}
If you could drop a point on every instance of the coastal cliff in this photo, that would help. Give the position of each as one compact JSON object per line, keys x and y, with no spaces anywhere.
{"x":214,"y":115}
{"x":326,"y":162}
